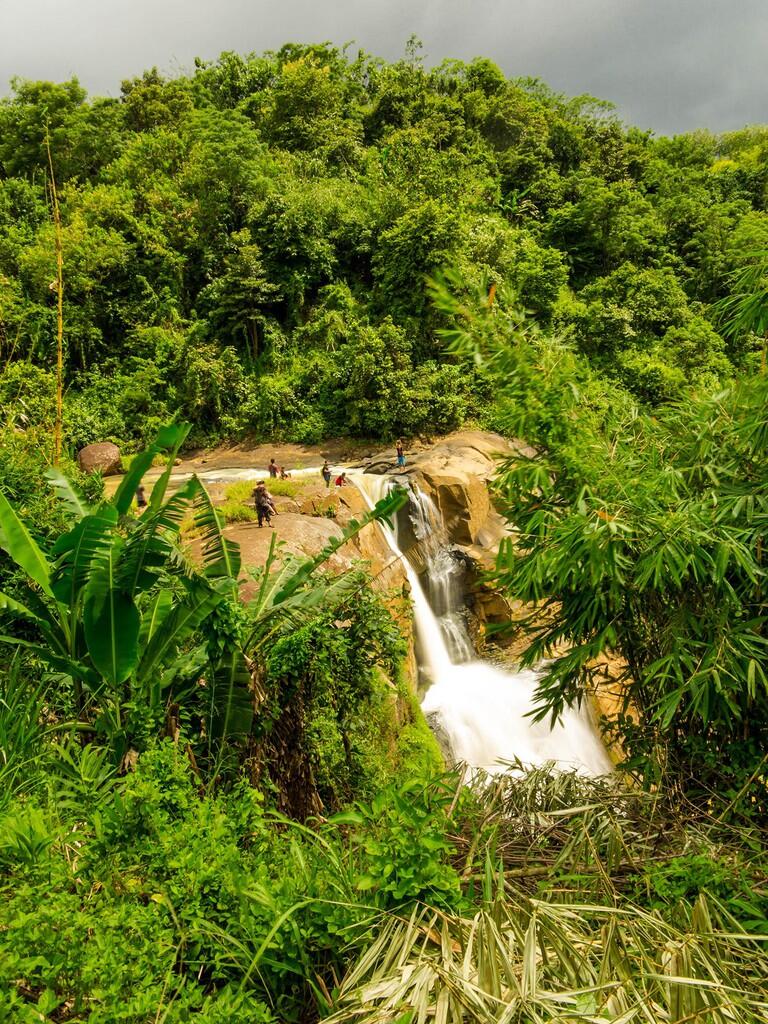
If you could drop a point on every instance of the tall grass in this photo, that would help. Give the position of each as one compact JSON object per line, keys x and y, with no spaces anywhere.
{"x":23,"y":746}
{"x":242,"y":490}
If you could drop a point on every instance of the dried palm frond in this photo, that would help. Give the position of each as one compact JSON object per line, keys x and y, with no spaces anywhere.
{"x":525,"y":961}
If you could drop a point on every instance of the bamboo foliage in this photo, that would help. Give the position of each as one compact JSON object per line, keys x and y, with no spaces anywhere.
{"x":524,"y":961}
{"x":632,"y":533}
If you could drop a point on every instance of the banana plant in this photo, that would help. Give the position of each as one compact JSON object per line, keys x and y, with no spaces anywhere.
{"x":113,"y":604}
{"x":116,"y":606}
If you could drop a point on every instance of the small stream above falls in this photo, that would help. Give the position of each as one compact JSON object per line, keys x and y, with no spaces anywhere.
{"x":476,"y":708}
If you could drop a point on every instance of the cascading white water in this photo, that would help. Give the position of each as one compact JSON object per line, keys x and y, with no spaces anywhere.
{"x":443,"y":575}
{"x":481,"y":708}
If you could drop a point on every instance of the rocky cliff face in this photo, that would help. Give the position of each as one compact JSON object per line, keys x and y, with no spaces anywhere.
{"x":456,"y":473}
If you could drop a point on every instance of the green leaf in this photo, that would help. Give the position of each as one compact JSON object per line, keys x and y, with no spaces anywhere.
{"x":231,"y":703}
{"x":160,"y":606}
{"x":181,"y":623}
{"x":150,"y":545}
{"x":16,"y":608}
{"x":382,"y":511}
{"x":67,"y":493}
{"x":158,"y":491}
{"x":16,"y":540}
{"x":58,"y":662}
{"x":77,"y":550}
{"x":111,"y":620}
{"x":221,"y":556}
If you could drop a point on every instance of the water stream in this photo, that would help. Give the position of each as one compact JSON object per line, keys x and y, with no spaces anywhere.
{"x":478,"y":707}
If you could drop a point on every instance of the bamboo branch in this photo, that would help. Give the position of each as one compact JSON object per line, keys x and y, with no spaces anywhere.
{"x":60,"y":307}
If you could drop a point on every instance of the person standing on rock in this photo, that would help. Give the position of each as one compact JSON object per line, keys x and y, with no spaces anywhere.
{"x":265,"y":505}
{"x":400,"y":453}
{"x":326,"y":472}
{"x":272,"y":467}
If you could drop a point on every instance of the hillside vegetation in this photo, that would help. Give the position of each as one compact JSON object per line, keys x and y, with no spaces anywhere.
{"x":246,"y":246}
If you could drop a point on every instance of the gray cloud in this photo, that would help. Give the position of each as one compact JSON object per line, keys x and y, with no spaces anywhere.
{"x":669,"y":65}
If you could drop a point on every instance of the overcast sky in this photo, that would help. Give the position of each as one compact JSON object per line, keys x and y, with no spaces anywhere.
{"x":669,"y":65}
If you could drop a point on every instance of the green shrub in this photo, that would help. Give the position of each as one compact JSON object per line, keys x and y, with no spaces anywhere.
{"x":405,"y":850}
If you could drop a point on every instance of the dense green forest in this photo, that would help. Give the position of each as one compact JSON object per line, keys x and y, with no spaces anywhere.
{"x":246,"y":247}
{"x":219,"y":809}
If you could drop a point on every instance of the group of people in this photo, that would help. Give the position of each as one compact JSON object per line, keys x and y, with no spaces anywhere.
{"x":325,"y":472}
{"x":277,"y":472}
{"x":263,"y":500}
{"x":265,"y":503}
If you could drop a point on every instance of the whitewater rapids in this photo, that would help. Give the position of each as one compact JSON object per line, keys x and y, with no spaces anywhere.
{"x":481,"y":708}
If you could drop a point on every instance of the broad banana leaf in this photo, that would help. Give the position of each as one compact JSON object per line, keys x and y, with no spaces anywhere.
{"x":158,"y":491}
{"x":76,"y":552}
{"x":154,"y":615}
{"x":67,"y":493}
{"x":16,"y":540}
{"x":149,"y":546}
{"x":170,"y":439}
{"x":221,"y":556}
{"x":17,"y":609}
{"x":180,"y":624}
{"x":231,"y":703}
{"x":111,"y":619}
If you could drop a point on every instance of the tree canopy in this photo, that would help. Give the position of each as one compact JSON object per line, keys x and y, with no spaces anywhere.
{"x":247,"y":246}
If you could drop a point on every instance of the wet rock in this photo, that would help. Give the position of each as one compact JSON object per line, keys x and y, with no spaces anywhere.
{"x":435,"y":722}
{"x":455,"y":473}
{"x":379,"y":466}
{"x":103,"y":457}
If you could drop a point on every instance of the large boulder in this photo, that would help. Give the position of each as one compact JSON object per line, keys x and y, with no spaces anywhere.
{"x":103,"y":458}
{"x":455,"y":473}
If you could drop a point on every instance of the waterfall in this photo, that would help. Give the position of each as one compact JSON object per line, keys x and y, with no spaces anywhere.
{"x":444,"y":590}
{"x":481,"y":708}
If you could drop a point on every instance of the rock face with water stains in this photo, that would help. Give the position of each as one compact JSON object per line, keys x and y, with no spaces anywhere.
{"x":456,"y":473}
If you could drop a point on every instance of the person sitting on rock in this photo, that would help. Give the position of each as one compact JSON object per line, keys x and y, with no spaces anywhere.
{"x":283,"y":473}
{"x":265,"y":504}
{"x":141,"y":500}
{"x":341,"y":480}
{"x":272,"y":467}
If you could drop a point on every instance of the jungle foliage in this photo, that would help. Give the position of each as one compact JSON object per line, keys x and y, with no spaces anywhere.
{"x":245,"y":246}
{"x":543,"y":899}
{"x":635,"y":534}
